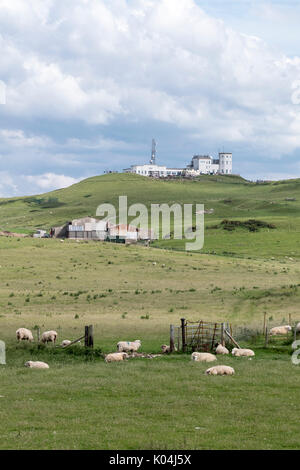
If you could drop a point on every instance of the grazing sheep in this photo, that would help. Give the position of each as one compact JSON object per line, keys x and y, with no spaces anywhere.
{"x":167,"y":349}
{"x":221,"y":349}
{"x":203,"y":357}
{"x":220,"y":370}
{"x":65,"y":343}
{"x":127,"y":346}
{"x":116,"y":357}
{"x":36,"y":365}
{"x":280,"y":330}
{"x":49,"y":337}
{"x":242,"y":352}
{"x":24,"y":335}
{"x":298,"y":328}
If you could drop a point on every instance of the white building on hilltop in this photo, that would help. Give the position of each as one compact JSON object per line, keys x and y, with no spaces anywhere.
{"x":157,"y":171}
{"x":207,"y":165}
{"x":200,"y":165}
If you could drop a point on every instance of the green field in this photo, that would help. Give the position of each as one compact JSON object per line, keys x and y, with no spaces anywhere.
{"x":163,"y":403}
{"x":231,"y":197}
{"x":134,"y":292}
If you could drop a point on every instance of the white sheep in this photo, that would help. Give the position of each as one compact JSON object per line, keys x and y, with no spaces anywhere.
{"x":203,"y":357}
{"x":36,"y":365}
{"x":127,"y":346}
{"x":298,"y":328}
{"x":242,"y":352}
{"x":24,"y":335}
{"x":49,"y":337}
{"x":116,"y":357}
{"x":167,"y":349}
{"x":221,"y":349}
{"x":280,"y":330}
{"x":220,"y":370}
{"x":65,"y":343}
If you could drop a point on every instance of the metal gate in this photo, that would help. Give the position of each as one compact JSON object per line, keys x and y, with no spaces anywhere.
{"x":200,"y":335}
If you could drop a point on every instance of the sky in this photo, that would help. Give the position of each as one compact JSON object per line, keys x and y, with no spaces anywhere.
{"x":86,"y":84}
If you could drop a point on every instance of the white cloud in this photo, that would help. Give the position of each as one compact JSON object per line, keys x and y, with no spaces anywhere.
{"x":170,"y":62}
{"x":50,"y":181}
{"x":7,"y":183}
{"x":18,"y":138}
{"x":106,"y":63}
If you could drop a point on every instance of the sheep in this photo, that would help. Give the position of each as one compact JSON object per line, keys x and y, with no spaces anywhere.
{"x":24,"y":334}
{"x":203,"y":357}
{"x":280,"y":330}
{"x":220,"y":370}
{"x":242,"y":352}
{"x":65,"y":343}
{"x":127,"y":346}
{"x":298,"y":328}
{"x":116,"y":357}
{"x":36,"y":365}
{"x":221,"y":349}
{"x":49,"y":337}
{"x":167,"y":349}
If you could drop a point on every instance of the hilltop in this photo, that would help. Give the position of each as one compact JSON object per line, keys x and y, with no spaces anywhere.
{"x":231,"y":197}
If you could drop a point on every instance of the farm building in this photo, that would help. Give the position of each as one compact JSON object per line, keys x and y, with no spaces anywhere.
{"x":89,"y":228}
{"x":84,"y":228}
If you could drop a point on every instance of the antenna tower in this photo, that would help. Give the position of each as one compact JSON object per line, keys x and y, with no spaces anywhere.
{"x":153,"y":153}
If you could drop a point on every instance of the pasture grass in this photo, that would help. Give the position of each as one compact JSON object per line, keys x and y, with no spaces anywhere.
{"x":162,"y":403}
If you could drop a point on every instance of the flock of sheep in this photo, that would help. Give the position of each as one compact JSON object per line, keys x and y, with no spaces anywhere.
{"x":221,"y":350}
{"x":126,"y":347}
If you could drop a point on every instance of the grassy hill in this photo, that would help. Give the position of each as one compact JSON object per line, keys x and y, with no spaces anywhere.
{"x":231,"y":197}
{"x":137,"y":292}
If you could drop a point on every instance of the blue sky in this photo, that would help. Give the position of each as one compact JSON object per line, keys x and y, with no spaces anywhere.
{"x":89,"y":83}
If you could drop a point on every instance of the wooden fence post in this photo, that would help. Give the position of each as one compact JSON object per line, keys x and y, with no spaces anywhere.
{"x":172,"y":338}
{"x":222,"y":334}
{"x":89,"y":336}
{"x":264,"y":327}
{"x":266,"y":337}
{"x":38,"y":332}
{"x":183,"y":334}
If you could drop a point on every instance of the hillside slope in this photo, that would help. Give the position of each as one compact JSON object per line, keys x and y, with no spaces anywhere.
{"x":231,"y":197}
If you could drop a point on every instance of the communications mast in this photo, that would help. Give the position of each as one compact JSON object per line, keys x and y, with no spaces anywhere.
{"x":153,"y":153}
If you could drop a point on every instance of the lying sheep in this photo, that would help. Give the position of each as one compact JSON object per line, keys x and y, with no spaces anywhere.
{"x":24,"y":335}
{"x":167,"y":349}
{"x":221,"y":349}
{"x":36,"y":365}
{"x":242,"y":352}
{"x":203,"y":357}
{"x":127,"y":346}
{"x":49,"y":337}
{"x":65,"y":343}
{"x":220,"y":370}
{"x":280,"y":330}
{"x":116,"y":357}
